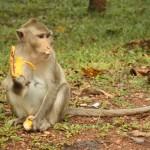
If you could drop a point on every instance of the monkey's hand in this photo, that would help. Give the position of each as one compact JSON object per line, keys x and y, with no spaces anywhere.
{"x":19,"y":84}
{"x":16,"y":64}
{"x":20,"y":81}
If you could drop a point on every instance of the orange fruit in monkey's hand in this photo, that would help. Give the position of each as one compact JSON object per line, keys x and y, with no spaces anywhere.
{"x":28,"y":125}
{"x":16,"y":64}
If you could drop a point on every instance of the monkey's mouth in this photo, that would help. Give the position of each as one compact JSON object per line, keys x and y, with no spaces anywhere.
{"x":46,"y":56}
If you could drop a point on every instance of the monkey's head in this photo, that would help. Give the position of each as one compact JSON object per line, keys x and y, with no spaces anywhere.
{"x":36,"y":37}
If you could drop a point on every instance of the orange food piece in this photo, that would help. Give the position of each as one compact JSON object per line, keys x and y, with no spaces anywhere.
{"x":28,"y":125}
{"x":16,"y":64}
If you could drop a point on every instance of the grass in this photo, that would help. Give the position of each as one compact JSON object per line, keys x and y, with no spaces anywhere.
{"x":8,"y":133}
{"x":74,"y":129}
{"x":83,"y":39}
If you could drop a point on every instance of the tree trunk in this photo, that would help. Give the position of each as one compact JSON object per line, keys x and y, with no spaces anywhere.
{"x":98,"y":5}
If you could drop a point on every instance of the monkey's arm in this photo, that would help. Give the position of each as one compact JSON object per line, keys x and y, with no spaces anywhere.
{"x":107,"y":113}
{"x":7,"y":82}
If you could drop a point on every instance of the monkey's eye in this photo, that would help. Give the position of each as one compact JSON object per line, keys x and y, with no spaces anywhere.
{"x":41,"y":36}
{"x":52,"y":42}
{"x":48,"y":35}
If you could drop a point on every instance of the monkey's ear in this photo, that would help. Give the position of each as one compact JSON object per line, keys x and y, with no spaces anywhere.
{"x":31,"y":20}
{"x":51,"y":32}
{"x":20,"y":34}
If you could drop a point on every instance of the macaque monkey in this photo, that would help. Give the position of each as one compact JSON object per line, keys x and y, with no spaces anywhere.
{"x":44,"y":93}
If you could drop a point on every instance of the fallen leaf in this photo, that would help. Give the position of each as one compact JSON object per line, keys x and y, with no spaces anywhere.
{"x":137,"y":140}
{"x":90,"y":90}
{"x":60,"y":28}
{"x":145,"y":55}
{"x":83,"y":105}
{"x":148,"y":75}
{"x":106,"y":94}
{"x":46,"y":132}
{"x":118,"y":142}
{"x":138,"y":133}
{"x":95,"y":91}
{"x":143,"y":43}
{"x":91,"y":72}
{"x":140,"y":71}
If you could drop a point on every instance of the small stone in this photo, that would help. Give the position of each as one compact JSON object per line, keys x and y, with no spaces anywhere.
{"x":138,"y":140}
{"x":118,"y":142}
{"x":78,"y":140}
{"x":141,"y":96}
{"x":119,"y":147}
{"x":147,"y":99}
{"x":46,"y":132}
{"x":96,"y":105}
{"x":83,"y":105}
{"x":44,"y":135}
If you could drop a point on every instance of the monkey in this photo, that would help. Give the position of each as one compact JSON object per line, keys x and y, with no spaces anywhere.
{"x":45,"y":92}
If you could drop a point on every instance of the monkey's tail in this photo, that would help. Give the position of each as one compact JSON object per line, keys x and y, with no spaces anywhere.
{"x":107,"y":113}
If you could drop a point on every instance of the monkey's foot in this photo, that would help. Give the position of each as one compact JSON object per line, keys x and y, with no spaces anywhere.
{"x":45,"y":125}
{"x":17,"y":121}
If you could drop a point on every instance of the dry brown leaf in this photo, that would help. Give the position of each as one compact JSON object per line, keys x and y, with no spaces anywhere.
{"x":138,"y":140}
{"x":94,"y":91}
{"x":60,"y":28}
{"x":84,"y":105}
{"x":90,"y":90}
{"x":140,"y":71}
{"x":148,"y":75}
{"x":138,"y":133}
{"x":143,"y":43}
{"x":91,"y":72}
{"x":97,"y":5}
{"x":145,"y":55}
{"x":106,"y":94}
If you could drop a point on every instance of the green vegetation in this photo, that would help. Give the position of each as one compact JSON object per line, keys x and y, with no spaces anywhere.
{"x":75,"y":129}
{"x":8,"y":133}
{"x":83,"y":39}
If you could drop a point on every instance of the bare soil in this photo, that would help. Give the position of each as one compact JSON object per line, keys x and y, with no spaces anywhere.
{"x":91,"y":139}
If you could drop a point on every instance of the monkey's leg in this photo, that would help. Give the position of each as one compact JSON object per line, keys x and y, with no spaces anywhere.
{"x":60,"y":105}
{"x":52,"y":110}
{"x":15,"y":103}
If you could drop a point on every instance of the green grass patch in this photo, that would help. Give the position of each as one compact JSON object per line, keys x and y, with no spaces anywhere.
{"x":85,"y":39}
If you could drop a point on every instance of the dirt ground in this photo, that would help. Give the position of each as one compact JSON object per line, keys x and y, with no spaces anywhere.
{"x":84,"y":140}
{"x":88,"y":139}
